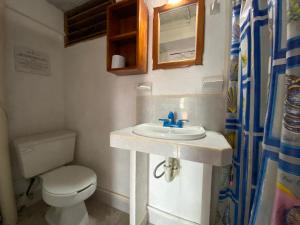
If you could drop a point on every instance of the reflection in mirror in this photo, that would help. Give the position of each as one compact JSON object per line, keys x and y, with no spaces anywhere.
{"x":177,"y":37}
{"x":178,"y":34}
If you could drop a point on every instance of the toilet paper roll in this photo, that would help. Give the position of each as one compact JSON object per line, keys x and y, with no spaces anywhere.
{"x":118,"y":61}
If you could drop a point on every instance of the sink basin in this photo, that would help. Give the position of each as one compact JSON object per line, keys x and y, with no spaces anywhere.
{"x":169,"y":133}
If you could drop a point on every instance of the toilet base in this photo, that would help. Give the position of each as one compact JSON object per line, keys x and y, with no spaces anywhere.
{"x":73,"y":215}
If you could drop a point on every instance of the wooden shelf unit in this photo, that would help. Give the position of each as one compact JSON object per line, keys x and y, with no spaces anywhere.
{"x":127,"y":35}
{"x":123,"y":36}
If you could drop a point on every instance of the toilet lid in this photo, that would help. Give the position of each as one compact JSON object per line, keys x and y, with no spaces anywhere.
{"x":68,"y":180}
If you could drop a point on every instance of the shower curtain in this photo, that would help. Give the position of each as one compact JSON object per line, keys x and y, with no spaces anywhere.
{"x":262,"y":187}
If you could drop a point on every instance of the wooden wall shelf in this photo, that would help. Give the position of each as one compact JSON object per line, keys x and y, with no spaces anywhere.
{"x":123,"y":36}
{"x":127,"y":35}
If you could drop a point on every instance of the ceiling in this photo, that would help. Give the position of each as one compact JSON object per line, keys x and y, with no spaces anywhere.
{"x":66,"y":5}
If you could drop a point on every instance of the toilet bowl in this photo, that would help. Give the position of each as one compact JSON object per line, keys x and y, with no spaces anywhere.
{"x":64,"y":187}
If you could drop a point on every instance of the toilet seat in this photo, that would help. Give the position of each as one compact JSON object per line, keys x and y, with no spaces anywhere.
{"x":68,"y":185}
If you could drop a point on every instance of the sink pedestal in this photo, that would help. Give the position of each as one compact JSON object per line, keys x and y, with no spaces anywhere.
{"x":139,"y":172}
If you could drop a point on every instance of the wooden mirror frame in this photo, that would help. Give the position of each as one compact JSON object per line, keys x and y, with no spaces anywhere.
{"x":199,"y":39}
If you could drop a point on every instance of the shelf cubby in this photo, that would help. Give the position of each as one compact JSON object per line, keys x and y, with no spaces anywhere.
{"x":127,"y":35}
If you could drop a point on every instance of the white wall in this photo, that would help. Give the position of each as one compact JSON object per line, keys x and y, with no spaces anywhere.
{"x":2,"y":52}
{"x":7,"y":199}
{"x":98,"y":102}
{"x":40,"y":11}
{"x":188,"y":80}
{"x":35,"y":102}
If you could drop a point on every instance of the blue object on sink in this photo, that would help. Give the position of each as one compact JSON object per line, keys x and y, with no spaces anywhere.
{"x":171,"y":121}
{"x":180,"y":123}
{"x":165,"y":122}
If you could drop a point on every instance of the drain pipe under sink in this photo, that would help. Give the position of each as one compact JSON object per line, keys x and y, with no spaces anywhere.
{"x":7,"y":197}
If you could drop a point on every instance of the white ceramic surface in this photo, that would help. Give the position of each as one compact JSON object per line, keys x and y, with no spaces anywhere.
{"x":75,"y":215}
{"x":169,"y":133}
{"x":43,"y":152}
{"x":213,"y":149}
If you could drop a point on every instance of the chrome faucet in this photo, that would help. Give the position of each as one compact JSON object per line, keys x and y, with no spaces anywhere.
{"x":171,"y":121}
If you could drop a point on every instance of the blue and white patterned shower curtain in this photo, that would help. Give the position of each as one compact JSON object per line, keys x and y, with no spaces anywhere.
{"x":263,"y":115}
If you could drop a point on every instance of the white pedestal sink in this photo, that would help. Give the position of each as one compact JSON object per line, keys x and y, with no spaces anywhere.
{"x":153,"y":130}
{"x":190,"y":143}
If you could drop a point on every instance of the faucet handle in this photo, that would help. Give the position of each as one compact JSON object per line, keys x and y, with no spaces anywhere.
{"x":181,"y":122}
{"x":165,"y":121}
{"x":171,"y":115}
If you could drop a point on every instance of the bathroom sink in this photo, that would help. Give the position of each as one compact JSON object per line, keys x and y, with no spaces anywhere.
{"x":169,"y":133}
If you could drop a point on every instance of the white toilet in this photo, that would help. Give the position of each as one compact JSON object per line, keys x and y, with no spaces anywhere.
{"x":64,"y":187}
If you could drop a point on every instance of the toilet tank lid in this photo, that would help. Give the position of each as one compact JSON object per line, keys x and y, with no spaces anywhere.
{"x":42,"y":137}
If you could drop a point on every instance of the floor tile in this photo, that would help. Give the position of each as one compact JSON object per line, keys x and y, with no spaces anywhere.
{"x":100,"y":214}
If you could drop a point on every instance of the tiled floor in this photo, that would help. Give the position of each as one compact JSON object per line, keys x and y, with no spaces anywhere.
{"x":100,"y":214}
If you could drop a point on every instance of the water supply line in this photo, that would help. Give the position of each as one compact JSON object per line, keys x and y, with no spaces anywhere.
{"x":156,"y":168}
{"x":7,"y":196}
{"x":171,"y":169}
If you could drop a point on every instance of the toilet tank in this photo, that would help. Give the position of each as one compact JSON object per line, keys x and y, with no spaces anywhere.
{"x":43,"y":152}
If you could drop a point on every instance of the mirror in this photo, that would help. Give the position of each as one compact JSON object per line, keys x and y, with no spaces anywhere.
{"x":178,"y":34}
